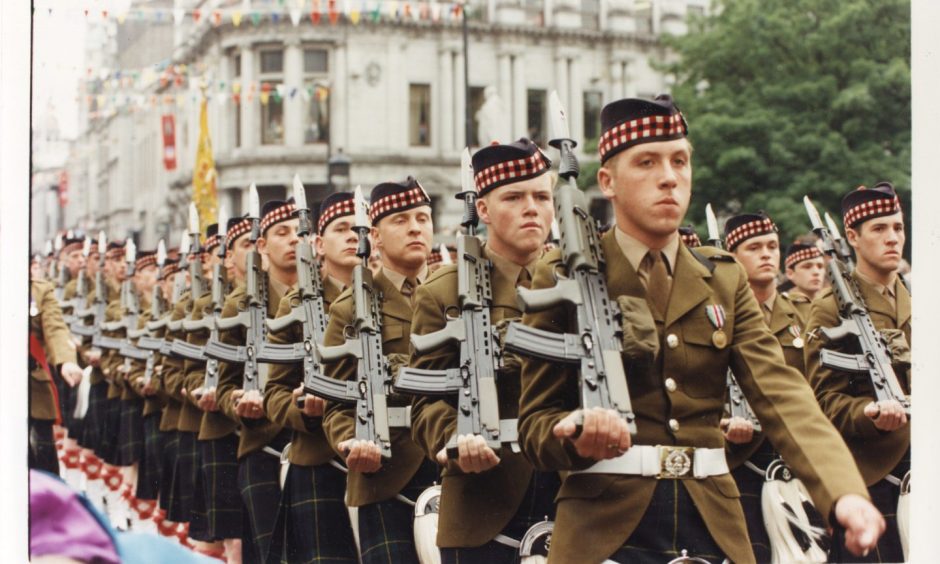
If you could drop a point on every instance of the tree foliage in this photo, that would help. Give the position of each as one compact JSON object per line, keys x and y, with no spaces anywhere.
{"x":787,"y":98}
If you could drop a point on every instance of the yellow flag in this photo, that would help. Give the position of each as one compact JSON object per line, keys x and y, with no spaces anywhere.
{"x":204,"y":174}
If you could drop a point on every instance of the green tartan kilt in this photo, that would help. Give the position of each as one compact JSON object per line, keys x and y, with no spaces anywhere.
{"x":93,"y":425}
{"x":151,"y":461}
{"x":217,"y":505}
{"x":181,"y":494}
{"x":131,"y":433}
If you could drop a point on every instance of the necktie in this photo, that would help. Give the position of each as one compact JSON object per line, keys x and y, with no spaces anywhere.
{"x":525,"y":279}
{"x":658,"y":283}
{"x":408,"y":290}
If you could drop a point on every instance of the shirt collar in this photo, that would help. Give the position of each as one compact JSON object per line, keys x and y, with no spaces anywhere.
{"x":335,"y":283}
{"x":398,"y":279}
{"x":635,"y":251}
{"x":880,"y":288}
{"x":508,"y":268}
{"x":280,"y":289}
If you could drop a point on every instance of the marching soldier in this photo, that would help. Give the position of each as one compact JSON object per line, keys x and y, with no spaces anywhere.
{"x":488,"y":494}
{"x":72,"y":261}
{"x":611,"y":504}
{"x":877,"y":433}
{"x":115,"y":272}
{"x":806,"y":269}
{"x":262,"y":440}
{"x":753,"y":240}
{"x":402,"y":230}
{"x":312,"y":521}
{"x":50,"y":346}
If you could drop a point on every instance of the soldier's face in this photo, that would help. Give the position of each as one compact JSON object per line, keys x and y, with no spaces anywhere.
{"x":649,"y":186}
{"x":91,"y":265}
{"x":35,"y":271}
{"x":238,"y":255}
{"x":75,"y":261}
{"x":337,"y":245}
{"x":404,"y":238}
{"x":760,"y":257}
{"x":879,"y":242}
{"x":519,"y":215}
{"x":807,"y":275}
{"x":145,"y":279}
{"x":279,"y":245}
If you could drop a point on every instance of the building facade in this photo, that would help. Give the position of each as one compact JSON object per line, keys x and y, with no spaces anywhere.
{"x":387,"y":95}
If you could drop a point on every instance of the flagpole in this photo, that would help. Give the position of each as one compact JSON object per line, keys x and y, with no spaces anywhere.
{"x":466,"y":79}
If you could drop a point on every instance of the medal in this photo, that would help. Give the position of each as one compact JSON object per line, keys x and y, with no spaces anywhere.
{"x":797,"y":340}
{"x":716,"y":316}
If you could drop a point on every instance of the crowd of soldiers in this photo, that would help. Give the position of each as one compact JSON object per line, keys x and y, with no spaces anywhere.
{"x":284,"y":390}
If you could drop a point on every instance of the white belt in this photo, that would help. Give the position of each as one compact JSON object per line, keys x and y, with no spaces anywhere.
{"x":664,"y":461}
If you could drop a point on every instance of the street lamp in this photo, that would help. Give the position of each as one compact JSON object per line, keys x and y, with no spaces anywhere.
{"x":337,"y":167}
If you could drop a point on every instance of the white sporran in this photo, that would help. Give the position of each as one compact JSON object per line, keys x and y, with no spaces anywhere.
{"x":796,"y":532}
{"x":904,"y":514}
{"x":427,"y":510}
{"x":533,"y":549}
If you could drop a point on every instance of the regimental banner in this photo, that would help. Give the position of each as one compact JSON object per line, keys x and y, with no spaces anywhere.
{"x":204,"y":173}
{"x":168,"y":126}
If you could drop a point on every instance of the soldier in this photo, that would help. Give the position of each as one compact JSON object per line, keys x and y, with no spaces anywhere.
{"x":753,"y":240}
{"x":262,"y":440}
{"x":115,"y":272}
{"x":72,"y":261}
{"x":487,"y":493}
{"x":314,"y":487}
{"x":876,"y":432}
{"x":50,"y":345}
{"x":402,"y":231}
{"x":806,"y":269}
{"x":618,"y":509}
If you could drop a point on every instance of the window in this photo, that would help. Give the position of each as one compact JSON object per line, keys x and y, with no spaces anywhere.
{"x":419,"y":115}
{"x":534,"y":12}
{"x":592,"y":116}
{"x":590,"y":14}
{"x":272,"y":106}
{"x":317,"y":113}
{"x":536,"y":107}
{"x":643,"y":14}
{"x":237,"y":73}
{"x":476,"y":102}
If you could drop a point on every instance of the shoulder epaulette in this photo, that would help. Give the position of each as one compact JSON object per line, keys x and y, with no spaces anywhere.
{"x":447,"y":269}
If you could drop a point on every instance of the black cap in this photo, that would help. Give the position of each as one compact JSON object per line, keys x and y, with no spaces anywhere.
{"x":689,"y":236}
{"x":632,"y":121}
{"x":798,"y":252}
{"x":276,"y":211}
{"x":335,"y":206}
{"x":862,"y":204}
{"x":746,"y":225}
{"x":393,"y":197}
{"x":497,"y":165}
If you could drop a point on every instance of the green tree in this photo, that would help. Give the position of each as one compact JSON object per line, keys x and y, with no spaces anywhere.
{"x":787,"y":98}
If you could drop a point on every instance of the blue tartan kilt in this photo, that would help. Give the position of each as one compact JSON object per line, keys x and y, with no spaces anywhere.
{"x":386,"y":528}
{"x":131,"y":433}
{"x":93,"y":425}
{"x":537,"y":505}
{"x":171,"y":448}
{"x":151,"y":462}
{"x":109,"y":436}
{"x":671,"y":523}
{"x":181,"y":496}
{"x":312,"y":520}
{"x":258,"y":482}
{"x":217,"y":505}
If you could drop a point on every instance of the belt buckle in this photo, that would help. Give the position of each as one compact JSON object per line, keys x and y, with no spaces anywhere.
{"x":675,"y":462}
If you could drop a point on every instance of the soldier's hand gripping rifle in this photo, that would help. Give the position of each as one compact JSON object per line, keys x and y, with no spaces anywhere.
{"x":252,"y":318}
{"x":208,"y":322}
{"x":737,"y":404}
{"x":874,"y":358}
{"x":70,"y":308}
{"x":596,"y":344}
{"x":307,"y":307}
{"x":368,"y":392}
{"x":96,"y":311}
{"x":158,"y":307}
{"x":474,"y":380}
{"x":197,"y":287}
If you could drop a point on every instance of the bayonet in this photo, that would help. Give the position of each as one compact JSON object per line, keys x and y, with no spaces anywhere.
{"x":841,"y":245}
{"x":714,"y":236}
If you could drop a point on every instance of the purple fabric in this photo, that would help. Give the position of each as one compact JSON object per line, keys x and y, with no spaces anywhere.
{"x":61,"y":525}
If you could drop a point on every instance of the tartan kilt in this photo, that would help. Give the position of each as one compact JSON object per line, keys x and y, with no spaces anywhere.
{"x":151,"y":462}
{"x":42,"y":451}
{"x":312,"y":520}
{"x":93,"y":425}
{"x":68,"y":397}
{"x":217,"y":506}
{"x":171,"y":448}
{"x":751,"y":484}
{"x":181,"y":492}
{"x":258,"y":483}
{"x":131,"y":433}
{"x":386,"y":528}
{"x":537,"y":505}
{"x":109,"y":436}
{"x":671,"y":523}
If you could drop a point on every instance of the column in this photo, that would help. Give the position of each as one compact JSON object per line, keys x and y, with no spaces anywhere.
{"x":222,"y":100}
{"x":576,"y":105}
{"x":251,"y":135}
{"x":615,"y":86}
{"x":445,"y":95}
{"x":629,"y":81}
{"x":295,"y":119}
{"x":460,"y":122}
{"x":519,"y":98}
{"x":340,"y":99}
{"x":562,"y":81}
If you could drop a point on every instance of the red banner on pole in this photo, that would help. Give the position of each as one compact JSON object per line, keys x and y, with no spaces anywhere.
{"x":169,"y":141}
{"x":63,"y":188}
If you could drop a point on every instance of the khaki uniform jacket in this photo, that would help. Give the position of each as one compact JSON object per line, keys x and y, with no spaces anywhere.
{"x":194,"y":372}
{"x":339,"y":420}
{"x":843,"y":398}
{"x":784,"y":316}
{"x":113,"y":360}
{"x":800,"y":301}
{"x":97,"y":375}
{"x":47,"y":325}
{"x":308,"y":446}
{"x":157,"y":402}
{"x":215,"y":424}
{"x":598,"y":512}
{"x":255,"y":433}
{"x":171,"y":375}
{"x":474,"y":507}
{"x":131,"y":389}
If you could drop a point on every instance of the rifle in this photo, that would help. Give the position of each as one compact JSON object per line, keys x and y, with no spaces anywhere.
{"x":97,"y":309}
{"x":368,"y":392}
{"x":737,"y":404}
{"x":307,"y":307}
{"x":252,"y":318}
{"x":145,"y":339}
{"x":874,"y":359}
{"x":839,"y":243}
{"x":596,"y":345}
{"x":180,"y":347}
{"x":474,"y":380}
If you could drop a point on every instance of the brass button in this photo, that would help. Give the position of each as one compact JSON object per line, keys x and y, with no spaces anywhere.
{"x":672,"y":341}
{"x":670,"y":384}
{"x":674,"y":425}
